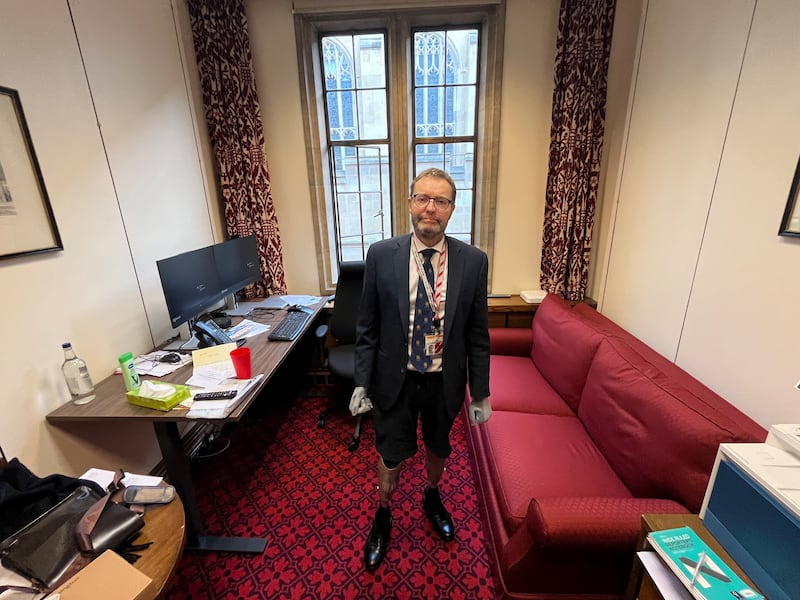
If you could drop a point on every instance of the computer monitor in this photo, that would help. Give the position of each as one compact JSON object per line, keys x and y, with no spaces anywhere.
{"x":237,"y":262}
{"x":190,"y":283}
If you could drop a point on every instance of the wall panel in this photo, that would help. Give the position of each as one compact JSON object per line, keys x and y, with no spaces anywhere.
{"x":741,"y":327}
{"x":689,"y":64}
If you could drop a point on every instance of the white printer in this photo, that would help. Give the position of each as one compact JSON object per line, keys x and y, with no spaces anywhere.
{"x":752,"y":508}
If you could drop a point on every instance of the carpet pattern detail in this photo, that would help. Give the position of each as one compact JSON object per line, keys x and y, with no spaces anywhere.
{"x":285,"y":479}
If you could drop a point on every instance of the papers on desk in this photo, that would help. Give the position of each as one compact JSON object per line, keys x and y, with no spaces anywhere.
{"x":302,"y":300}
{"x":212,"y":366}
{"x":245,"y":308}
{"x":103,"y":478}
{"x":273,"y":302}
{"x":148,"y":364}
{"x":247,"y":329}
{"x":218,"y":409}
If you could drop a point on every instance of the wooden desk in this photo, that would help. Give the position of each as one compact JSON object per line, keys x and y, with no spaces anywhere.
{"x":111,"y":404}
{"x":640,"y":586}
{"x":164,"y":525}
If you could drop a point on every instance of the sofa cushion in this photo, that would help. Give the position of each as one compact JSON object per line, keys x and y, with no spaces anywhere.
{"x":517,"y":385}
{"x":659,"y":441}
{"x":741,"y":427}
{"x":541,"y":456}
{"x":563,"y":347}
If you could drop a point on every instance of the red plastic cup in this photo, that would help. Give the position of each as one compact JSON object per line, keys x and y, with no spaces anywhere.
{"x":242,"y":363}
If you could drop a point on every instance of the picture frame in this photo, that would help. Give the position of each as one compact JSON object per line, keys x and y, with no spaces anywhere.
{"x":27,"y":223}
{"x":790,"y":224}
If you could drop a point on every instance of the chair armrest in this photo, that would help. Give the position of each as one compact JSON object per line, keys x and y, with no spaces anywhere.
{"x":511,"y":341}
{"x":592,"y":523}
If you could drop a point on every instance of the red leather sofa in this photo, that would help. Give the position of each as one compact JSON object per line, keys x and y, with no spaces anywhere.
{"x":591,"y":429}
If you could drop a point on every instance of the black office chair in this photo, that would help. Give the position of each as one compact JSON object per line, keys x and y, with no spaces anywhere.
{"x":342,"y":328}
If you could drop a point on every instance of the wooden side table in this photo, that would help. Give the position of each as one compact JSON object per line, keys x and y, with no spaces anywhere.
{"x":165,"y":526}
{"x":640,"y":586}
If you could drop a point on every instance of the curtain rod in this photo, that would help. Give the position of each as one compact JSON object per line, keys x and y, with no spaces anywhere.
{"x":307,"y":7}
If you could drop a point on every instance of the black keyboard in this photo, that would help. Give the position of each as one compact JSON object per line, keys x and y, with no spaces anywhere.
{"x":290,"y":327}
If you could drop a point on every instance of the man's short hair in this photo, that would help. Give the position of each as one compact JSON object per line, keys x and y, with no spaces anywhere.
{"x":436,"y":174}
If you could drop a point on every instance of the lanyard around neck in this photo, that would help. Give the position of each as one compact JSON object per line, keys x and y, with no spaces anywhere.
{"x":433,"y":298}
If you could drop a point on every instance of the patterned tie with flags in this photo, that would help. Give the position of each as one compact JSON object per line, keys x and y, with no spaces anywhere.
{"x":423,"y":317}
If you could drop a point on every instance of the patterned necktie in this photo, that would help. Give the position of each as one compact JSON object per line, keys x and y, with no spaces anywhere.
{"x":423,"y":316}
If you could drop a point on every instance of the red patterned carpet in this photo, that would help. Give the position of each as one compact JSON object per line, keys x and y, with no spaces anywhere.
{"x":297,"y":485}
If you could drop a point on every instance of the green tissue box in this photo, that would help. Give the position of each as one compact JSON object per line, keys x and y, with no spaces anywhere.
{"x":165,"y":404}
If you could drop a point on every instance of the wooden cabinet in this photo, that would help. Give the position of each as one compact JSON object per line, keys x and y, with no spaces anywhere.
{"x":515,"y":312}
{"x":510,"y":312}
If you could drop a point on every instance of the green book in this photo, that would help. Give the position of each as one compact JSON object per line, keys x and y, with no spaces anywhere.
{"x":703,"y":573}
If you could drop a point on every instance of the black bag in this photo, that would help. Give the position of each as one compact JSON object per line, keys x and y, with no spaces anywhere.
{"x":25,"y":496}
{"x":50,"y":549}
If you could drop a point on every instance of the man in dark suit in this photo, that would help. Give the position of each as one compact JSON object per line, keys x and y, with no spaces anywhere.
{"x":422,"y":334}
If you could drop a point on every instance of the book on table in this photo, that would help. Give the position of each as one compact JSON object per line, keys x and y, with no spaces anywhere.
{"x":698,"y":567}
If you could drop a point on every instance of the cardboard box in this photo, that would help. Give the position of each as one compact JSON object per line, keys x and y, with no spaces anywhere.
{"x":107,"y":577}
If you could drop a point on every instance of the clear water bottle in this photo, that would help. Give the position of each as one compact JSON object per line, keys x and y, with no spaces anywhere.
{"x":77,"y":376}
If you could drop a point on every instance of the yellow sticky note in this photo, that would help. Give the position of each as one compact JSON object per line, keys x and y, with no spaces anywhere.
{"x":212,"y":354}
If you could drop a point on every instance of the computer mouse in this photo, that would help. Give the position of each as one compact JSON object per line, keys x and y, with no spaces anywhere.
{"x":170,"y":357}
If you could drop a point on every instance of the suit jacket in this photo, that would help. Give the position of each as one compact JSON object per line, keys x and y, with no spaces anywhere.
{"x":381,"y":355}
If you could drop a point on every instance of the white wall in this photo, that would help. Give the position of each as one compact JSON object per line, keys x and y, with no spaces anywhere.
{"x":135,"y":189}
{"x":696,"y":267}
{"x":124,"y":193}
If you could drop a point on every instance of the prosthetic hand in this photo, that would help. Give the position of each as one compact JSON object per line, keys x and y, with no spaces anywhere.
{"x":480,"y":411}
{"x":359,"y":403}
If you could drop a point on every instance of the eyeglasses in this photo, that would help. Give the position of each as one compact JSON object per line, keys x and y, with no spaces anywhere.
{"x":422,"y":201}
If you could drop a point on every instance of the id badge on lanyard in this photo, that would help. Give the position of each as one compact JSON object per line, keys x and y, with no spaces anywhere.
{"x":434,"y":339}
{"x":434,"y":343}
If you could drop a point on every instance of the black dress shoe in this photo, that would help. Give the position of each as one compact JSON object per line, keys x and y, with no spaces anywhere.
{"x":437,"y":513}
{"x":378,"y":539}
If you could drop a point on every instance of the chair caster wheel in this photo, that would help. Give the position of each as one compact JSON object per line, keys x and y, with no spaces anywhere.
{"x":353,"y":445}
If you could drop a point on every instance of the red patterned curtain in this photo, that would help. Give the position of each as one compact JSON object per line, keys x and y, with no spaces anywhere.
{"x":233,"y":115}
{"x":576,"y":141}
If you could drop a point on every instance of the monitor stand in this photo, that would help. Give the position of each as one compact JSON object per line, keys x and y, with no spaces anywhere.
{"x":181,"y":345}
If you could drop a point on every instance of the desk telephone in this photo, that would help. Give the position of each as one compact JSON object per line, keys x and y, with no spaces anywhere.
{"x":210,"y":334}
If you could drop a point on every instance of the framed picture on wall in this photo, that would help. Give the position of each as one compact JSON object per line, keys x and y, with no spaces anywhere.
{"x":790,"y":225}
{"x":27,"y":224}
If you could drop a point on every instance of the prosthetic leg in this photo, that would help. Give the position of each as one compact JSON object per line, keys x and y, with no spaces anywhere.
{"x":432,"y":501}
{"x":378,"y":539}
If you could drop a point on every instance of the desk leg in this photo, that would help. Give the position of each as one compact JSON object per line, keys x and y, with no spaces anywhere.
{"x":179,"y":474}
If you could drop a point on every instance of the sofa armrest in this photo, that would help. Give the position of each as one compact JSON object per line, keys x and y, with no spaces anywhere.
{"x":592,"y":523}
{"x":511,"y":341}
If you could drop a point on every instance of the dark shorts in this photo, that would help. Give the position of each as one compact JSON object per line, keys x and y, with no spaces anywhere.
{"x":396,"y":429}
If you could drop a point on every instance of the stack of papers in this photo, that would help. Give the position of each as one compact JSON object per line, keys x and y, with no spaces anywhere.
{"x":212,"y":366}
{"x":217,"y":409}
{"x":103,"y":478}
{"x":246,"y":329}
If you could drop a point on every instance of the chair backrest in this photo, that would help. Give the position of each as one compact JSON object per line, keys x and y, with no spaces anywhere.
{"x":347,"y":302}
